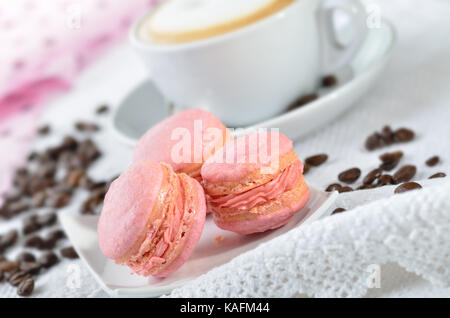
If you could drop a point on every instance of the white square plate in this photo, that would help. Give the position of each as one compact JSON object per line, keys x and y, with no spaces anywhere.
{"x":216,"y":247}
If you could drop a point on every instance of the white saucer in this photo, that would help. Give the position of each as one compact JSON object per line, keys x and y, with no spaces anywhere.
{"x":216,"y":247}
{"x":145,"y":106}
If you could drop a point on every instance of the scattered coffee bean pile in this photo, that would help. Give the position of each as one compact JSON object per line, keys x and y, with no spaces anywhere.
{"x":327,"y":82}
{"x":388,"y":137}
{"x":48,"y":182}
{"x":380,"y":176}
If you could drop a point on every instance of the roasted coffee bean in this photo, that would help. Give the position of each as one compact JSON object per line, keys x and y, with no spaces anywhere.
{"x":16,"y":208}
{"x":47,"y":244}
{"x":408,"y":186}
{"x":49,"y":259}
{"x":374,"y":141}
{"x":18,"y":277}
{"x":73,"y":177}
{"x":438,"y":175}
{"x":38,"y":184}
{"x":102,"y":109}
{"x":98,"y":186}
{"x":47,"y":219}
{"x":8,"y":266}
{"x":86,"y":183}
{"x":34,"y":242}
{"x":333,"y":187}
{"x":58,"y":200}
{"x":338,"y":210}
{"x":99,"y":192}
{"x":372,"y":176}
{"x":9,"y":239}
{"x":32,"y":268}
{"x":306,"y":168}
{"x":391,"y":156}
{"x":405,"y":174}
{"x":46,"y":170}
{"x":44,"y":130}
{"x":69,"y":144}
{"x":25,"y":257}
{"x":390,"y":160}
{"x":56,"y":235}
{"x":87,"y":152}
{"x":52,"y":154}
{"x":387,"y":135}
{"x":385,"y":179}
{"x":90,"y":205}
{"x":38,"y":199}
{"x":329,"y":81}
{"x":6,"y":212}
{"x":65,"y":160}
{"x":345,"y":189}
{"x":432,"y":161}
{"x":69,"y":252}
{"x":366,"y":186}
{"x":85,"y":126}
{"x":350,"y":175}
{"x":306,"y":99}
{"x":26,"y":287}
{"x":389,"y":165}
{"x":30,"y":225}
{"x":404,"y":135}
{"x":316,"y":160}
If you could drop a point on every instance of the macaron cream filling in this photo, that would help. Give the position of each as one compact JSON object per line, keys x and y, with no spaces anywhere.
{"x":285,"y":181}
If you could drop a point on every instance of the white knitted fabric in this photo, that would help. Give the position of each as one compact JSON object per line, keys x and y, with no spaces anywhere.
{"x":336,"y":256}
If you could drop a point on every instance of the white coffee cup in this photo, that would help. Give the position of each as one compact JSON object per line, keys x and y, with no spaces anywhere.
{"x":256,"y":71}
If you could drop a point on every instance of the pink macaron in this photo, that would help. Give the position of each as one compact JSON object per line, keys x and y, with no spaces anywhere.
{"x":152,"y":219}
{"x":184,"y":141}
{"x":255,"y":183}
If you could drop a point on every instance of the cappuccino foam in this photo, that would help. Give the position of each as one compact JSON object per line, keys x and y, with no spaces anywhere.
{"x":178,"y":21}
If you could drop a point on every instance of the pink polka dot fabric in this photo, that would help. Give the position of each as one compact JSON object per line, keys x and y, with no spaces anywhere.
{"x":44,"y":45}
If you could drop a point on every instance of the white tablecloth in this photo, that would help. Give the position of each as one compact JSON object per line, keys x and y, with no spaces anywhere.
{"x":413,"y":92}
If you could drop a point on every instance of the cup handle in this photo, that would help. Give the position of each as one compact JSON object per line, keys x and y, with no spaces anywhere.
{"x":335,"y":54}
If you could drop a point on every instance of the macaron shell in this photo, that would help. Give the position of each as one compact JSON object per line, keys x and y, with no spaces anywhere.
{"x":197,"y":200}
{"x":144,"y":257}
{"x":157,"y":144}
{"x":270,"y":215}
{"x":254,"y":179}
{"x":126,"y":208}
{"x":247,"y":162}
